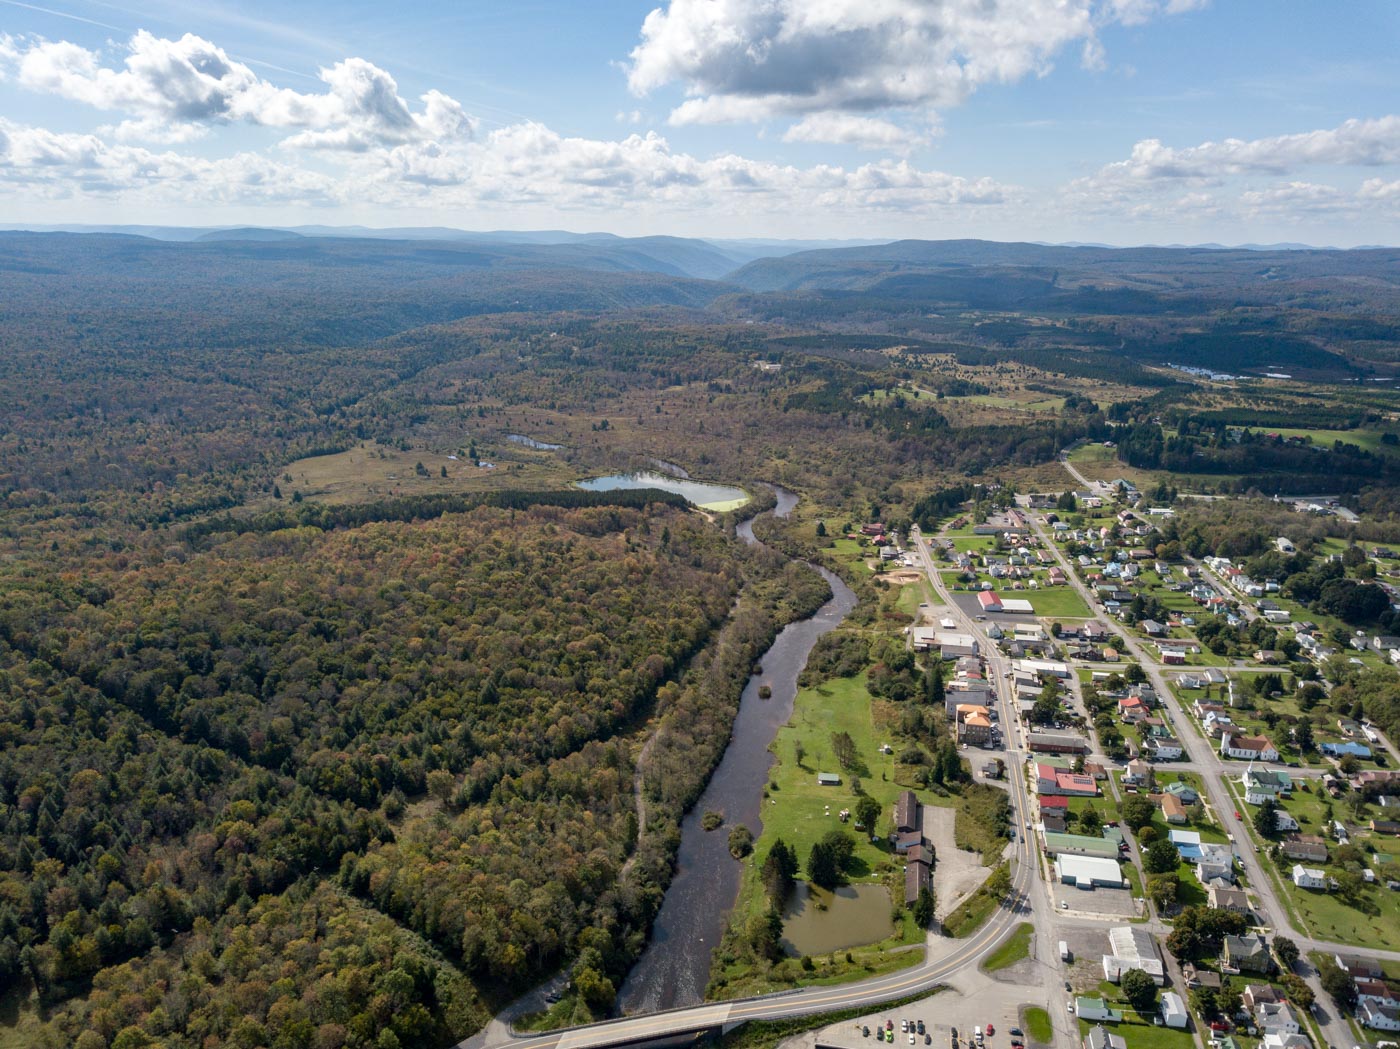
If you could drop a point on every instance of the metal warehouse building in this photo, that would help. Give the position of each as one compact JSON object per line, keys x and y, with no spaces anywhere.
{"x":1087,"y":872}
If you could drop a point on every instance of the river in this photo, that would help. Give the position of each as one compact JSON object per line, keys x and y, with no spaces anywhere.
{"x":675,"y":967}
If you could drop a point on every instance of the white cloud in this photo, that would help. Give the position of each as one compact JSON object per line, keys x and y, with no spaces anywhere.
{"x":190,"y":82}
{"x":753,"y":59}
{"x":523,"y":165}
{"x":847,"y":130}
{"x":1354,"y":143}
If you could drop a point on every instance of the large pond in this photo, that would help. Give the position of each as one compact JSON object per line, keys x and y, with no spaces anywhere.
{"x":530,"y":442}
{"x":675,"y":967}
{"x":819,"y":922}
{"x":717,"y":497}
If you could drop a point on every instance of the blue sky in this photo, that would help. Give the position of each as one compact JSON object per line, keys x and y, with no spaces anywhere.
{"x":1123,"y":121}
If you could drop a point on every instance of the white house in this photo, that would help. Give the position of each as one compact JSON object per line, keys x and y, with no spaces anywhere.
{"x":1276,"y":1016}
{"x":1377,"y":1016}
{"x":1248,"y":748}
{"x":1308,"y":877}
{"x":1279,"y":1040}
{"x":1173,"y":1010}
{"x":1284,"y":820}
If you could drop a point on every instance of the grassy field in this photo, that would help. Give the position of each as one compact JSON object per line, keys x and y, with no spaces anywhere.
{"x":1015,"y":949}
{"x":796,"y":809}
{"x":1369,"y":440}
{"x":1140,"y":1032}
{"x":1061,"y":602}
{"x":375,"y":471}
{"x":1036,"y":1021}
{"x":1324,"y":915}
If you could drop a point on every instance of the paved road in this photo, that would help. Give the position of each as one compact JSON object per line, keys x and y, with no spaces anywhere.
{"x":783,"y":1004}
{"x":1205,"y":760}
{"x":1039,"y":900}
{"x":1029,"y":901}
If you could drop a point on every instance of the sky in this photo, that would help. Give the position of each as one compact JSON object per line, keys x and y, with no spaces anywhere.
{"x":1110,"y":121}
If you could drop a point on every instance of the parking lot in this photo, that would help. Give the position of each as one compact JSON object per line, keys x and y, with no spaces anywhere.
{"x":990,"y":1003}
{"x":1100,"y":902}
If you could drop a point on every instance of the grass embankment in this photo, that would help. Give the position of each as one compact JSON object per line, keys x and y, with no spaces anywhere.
{"x":1036,"y":1022}
{"x":800,"y":812}
{"x":1015,"y":949}
{"x":762,"y":1034}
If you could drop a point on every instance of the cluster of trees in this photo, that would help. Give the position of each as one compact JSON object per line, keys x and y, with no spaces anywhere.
{"x":185,"y":734}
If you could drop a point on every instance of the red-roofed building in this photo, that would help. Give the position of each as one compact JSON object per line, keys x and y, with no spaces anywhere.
{"x":989,"y":601}
{"x":1070,"y":783}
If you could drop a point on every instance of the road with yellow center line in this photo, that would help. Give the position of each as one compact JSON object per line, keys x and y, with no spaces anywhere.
{"x":864,"y":994}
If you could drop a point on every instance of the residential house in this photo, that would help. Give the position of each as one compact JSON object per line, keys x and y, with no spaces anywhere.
{"x":1132,"y":710}
{"x":1257,"y":994}
{"x":1309,"y":877}
{"x":1199,"y":977}
{"x":1378,"y":1017}
{"x":1173,"y":811}
{"x":1236,"y":900}
{"x":1247,"y":954}
{"x":1152,"y":628}
{"x":1138,"y":773}
{"x":1306,"y":847}
{"x":1262,"y":784}
{"x":1100,"y":1038}
{"x":1284,"y":820}
{"x":1166,"y":748}
{"x":1358,"y":967}
{"x":1097,"y":1010}
{"x":1285,"y":1040}
{"x":1173,"y":1010}
{"x":1184,"y":792}
{"x":1276,"y":1016}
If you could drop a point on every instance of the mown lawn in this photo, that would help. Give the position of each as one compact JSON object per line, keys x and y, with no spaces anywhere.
{"x":1059,"y":602}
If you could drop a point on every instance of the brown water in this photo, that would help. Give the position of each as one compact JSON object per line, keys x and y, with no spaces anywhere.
{"x":819,"y":922}
{"x":675,"y":967}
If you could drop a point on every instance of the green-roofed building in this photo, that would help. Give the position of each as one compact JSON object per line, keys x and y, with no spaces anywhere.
{"x":1079,"y":845}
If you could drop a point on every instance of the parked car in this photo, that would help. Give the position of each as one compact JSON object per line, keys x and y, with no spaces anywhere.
{"x":1017,"y":1032}
{"x":991,"y":1030}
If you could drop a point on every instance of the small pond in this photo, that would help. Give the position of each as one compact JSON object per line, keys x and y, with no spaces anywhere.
{"x":854,"y":915}
{"x":530,"y":442}
{"x":706,"y":496}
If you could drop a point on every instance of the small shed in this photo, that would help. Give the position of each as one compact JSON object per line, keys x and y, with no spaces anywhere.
{"x":828,"y":779}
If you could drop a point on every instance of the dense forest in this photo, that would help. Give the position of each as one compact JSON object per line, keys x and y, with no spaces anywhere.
{"x":302,"y":762}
